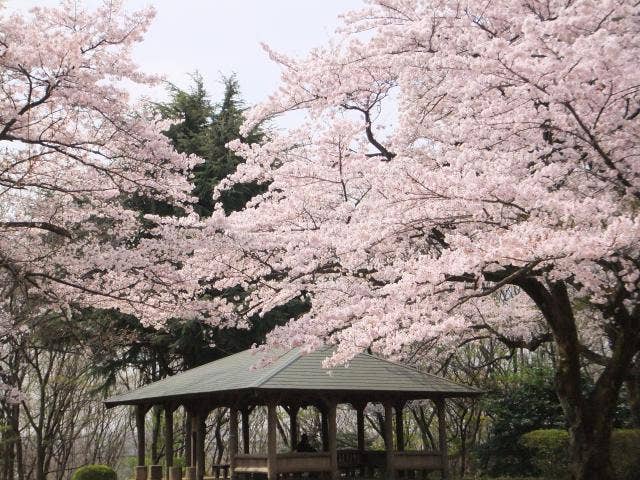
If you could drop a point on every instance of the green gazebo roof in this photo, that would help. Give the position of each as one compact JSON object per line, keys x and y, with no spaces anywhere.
{"x":297,"y":373}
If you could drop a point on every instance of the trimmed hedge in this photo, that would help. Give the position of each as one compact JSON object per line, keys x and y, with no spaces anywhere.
{"x":95,"y":472}
{"x":550,"y":452}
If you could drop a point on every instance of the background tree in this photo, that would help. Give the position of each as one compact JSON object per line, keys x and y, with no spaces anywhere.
{"x":205,"y":129}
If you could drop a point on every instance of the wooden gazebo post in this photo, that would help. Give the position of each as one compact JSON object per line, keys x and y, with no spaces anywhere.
{"x":200,"y":442}
{"x":293,"y":426}
{"x":272,"y":449}
{"x":141,"y":468}
{"x":332,"y":434}
{"x":324,"y":428}
{"x":168,"y":438}
{"x":190,"y":444}
{"x":399,"y":426}
{"x":188,"y":437}
{"x":245,"y":429}
{"x":359,"y":407}
{"x":360,"y":424}
{"x":233,"y":441}
{"x":442,"y":437}
{"x":388,"y":440}
{"x":196,"y":469}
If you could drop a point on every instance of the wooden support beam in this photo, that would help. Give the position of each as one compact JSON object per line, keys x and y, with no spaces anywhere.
{"x":293,"y":426}
{"x":168,"y":438}
{"x":233,"y":441}
{"x":272,"y":449}
{"x":141,"y":411}
{"x":245,"y":430}
{"x":360,"y":425}
{"x":359,"y":407}
{"x":200,"y":452}
{"x":194,"y":439}
{"x":332,"y":431}
{"x":324,"y":429}
{"x":442,"y":437}
{"x":198,"y":429}
{"x":399,"y":427}
{"x":388,"y":440}
{"x":188,"y":439}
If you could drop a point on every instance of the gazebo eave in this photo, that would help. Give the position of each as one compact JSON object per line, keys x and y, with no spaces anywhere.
{"x":300,"y":396}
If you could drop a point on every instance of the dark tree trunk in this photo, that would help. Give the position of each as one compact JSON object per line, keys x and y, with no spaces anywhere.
{"x":589,"y":415}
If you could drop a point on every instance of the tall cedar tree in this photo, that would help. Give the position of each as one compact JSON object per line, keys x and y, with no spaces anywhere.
{"x":203,"y":129}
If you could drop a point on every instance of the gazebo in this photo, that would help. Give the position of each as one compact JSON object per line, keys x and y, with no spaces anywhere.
{"x":294,"y":380}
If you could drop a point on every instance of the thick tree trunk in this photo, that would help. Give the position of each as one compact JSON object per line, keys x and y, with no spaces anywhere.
{"x":592,"y":420}
{"x":590,"y":452}
{"x":590,"y":416}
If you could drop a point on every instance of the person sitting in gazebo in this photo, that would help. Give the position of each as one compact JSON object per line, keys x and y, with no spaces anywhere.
{"x":304,"y":445}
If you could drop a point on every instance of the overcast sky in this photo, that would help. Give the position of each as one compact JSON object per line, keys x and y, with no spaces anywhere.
{"x":223,"y":36}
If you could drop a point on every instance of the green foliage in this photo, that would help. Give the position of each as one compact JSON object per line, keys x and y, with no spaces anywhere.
{"x":94,"y":472}
{"x":204,"y":129}
{"x":523,"y":402}
{"x":625,"y":453}
{"x":200,"y":128}
{"x":180,"y":345}
{"x":549,"y":449}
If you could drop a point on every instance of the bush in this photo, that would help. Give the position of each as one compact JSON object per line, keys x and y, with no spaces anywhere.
{"x":549,"y":452}
{"x":523,"y":402}
{"x":94,"y":472}
{"x":625,"y":454}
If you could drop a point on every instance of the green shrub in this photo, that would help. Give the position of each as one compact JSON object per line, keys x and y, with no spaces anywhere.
{"x":94,"y":472}
{"x":550,"y":448}
{"x":548,"y":451}
{"x":521,"y":403}
{"x":625,"y":454}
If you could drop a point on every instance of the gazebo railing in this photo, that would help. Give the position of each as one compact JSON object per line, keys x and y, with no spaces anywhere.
{"x":251,"y":463}
{"x":295,"y":462}
{"x":349,"y":461}
{"x":417,"y":460}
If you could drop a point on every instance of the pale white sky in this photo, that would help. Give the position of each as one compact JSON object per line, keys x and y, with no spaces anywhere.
{"x":223,"y":36}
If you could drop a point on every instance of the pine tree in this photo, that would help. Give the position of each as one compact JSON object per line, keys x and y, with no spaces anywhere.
{"x":204,"y":129}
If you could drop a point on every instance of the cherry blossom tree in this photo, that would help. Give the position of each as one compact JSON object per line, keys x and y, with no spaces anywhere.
{"x":73,"y":150}
{"x":463,"y":169}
